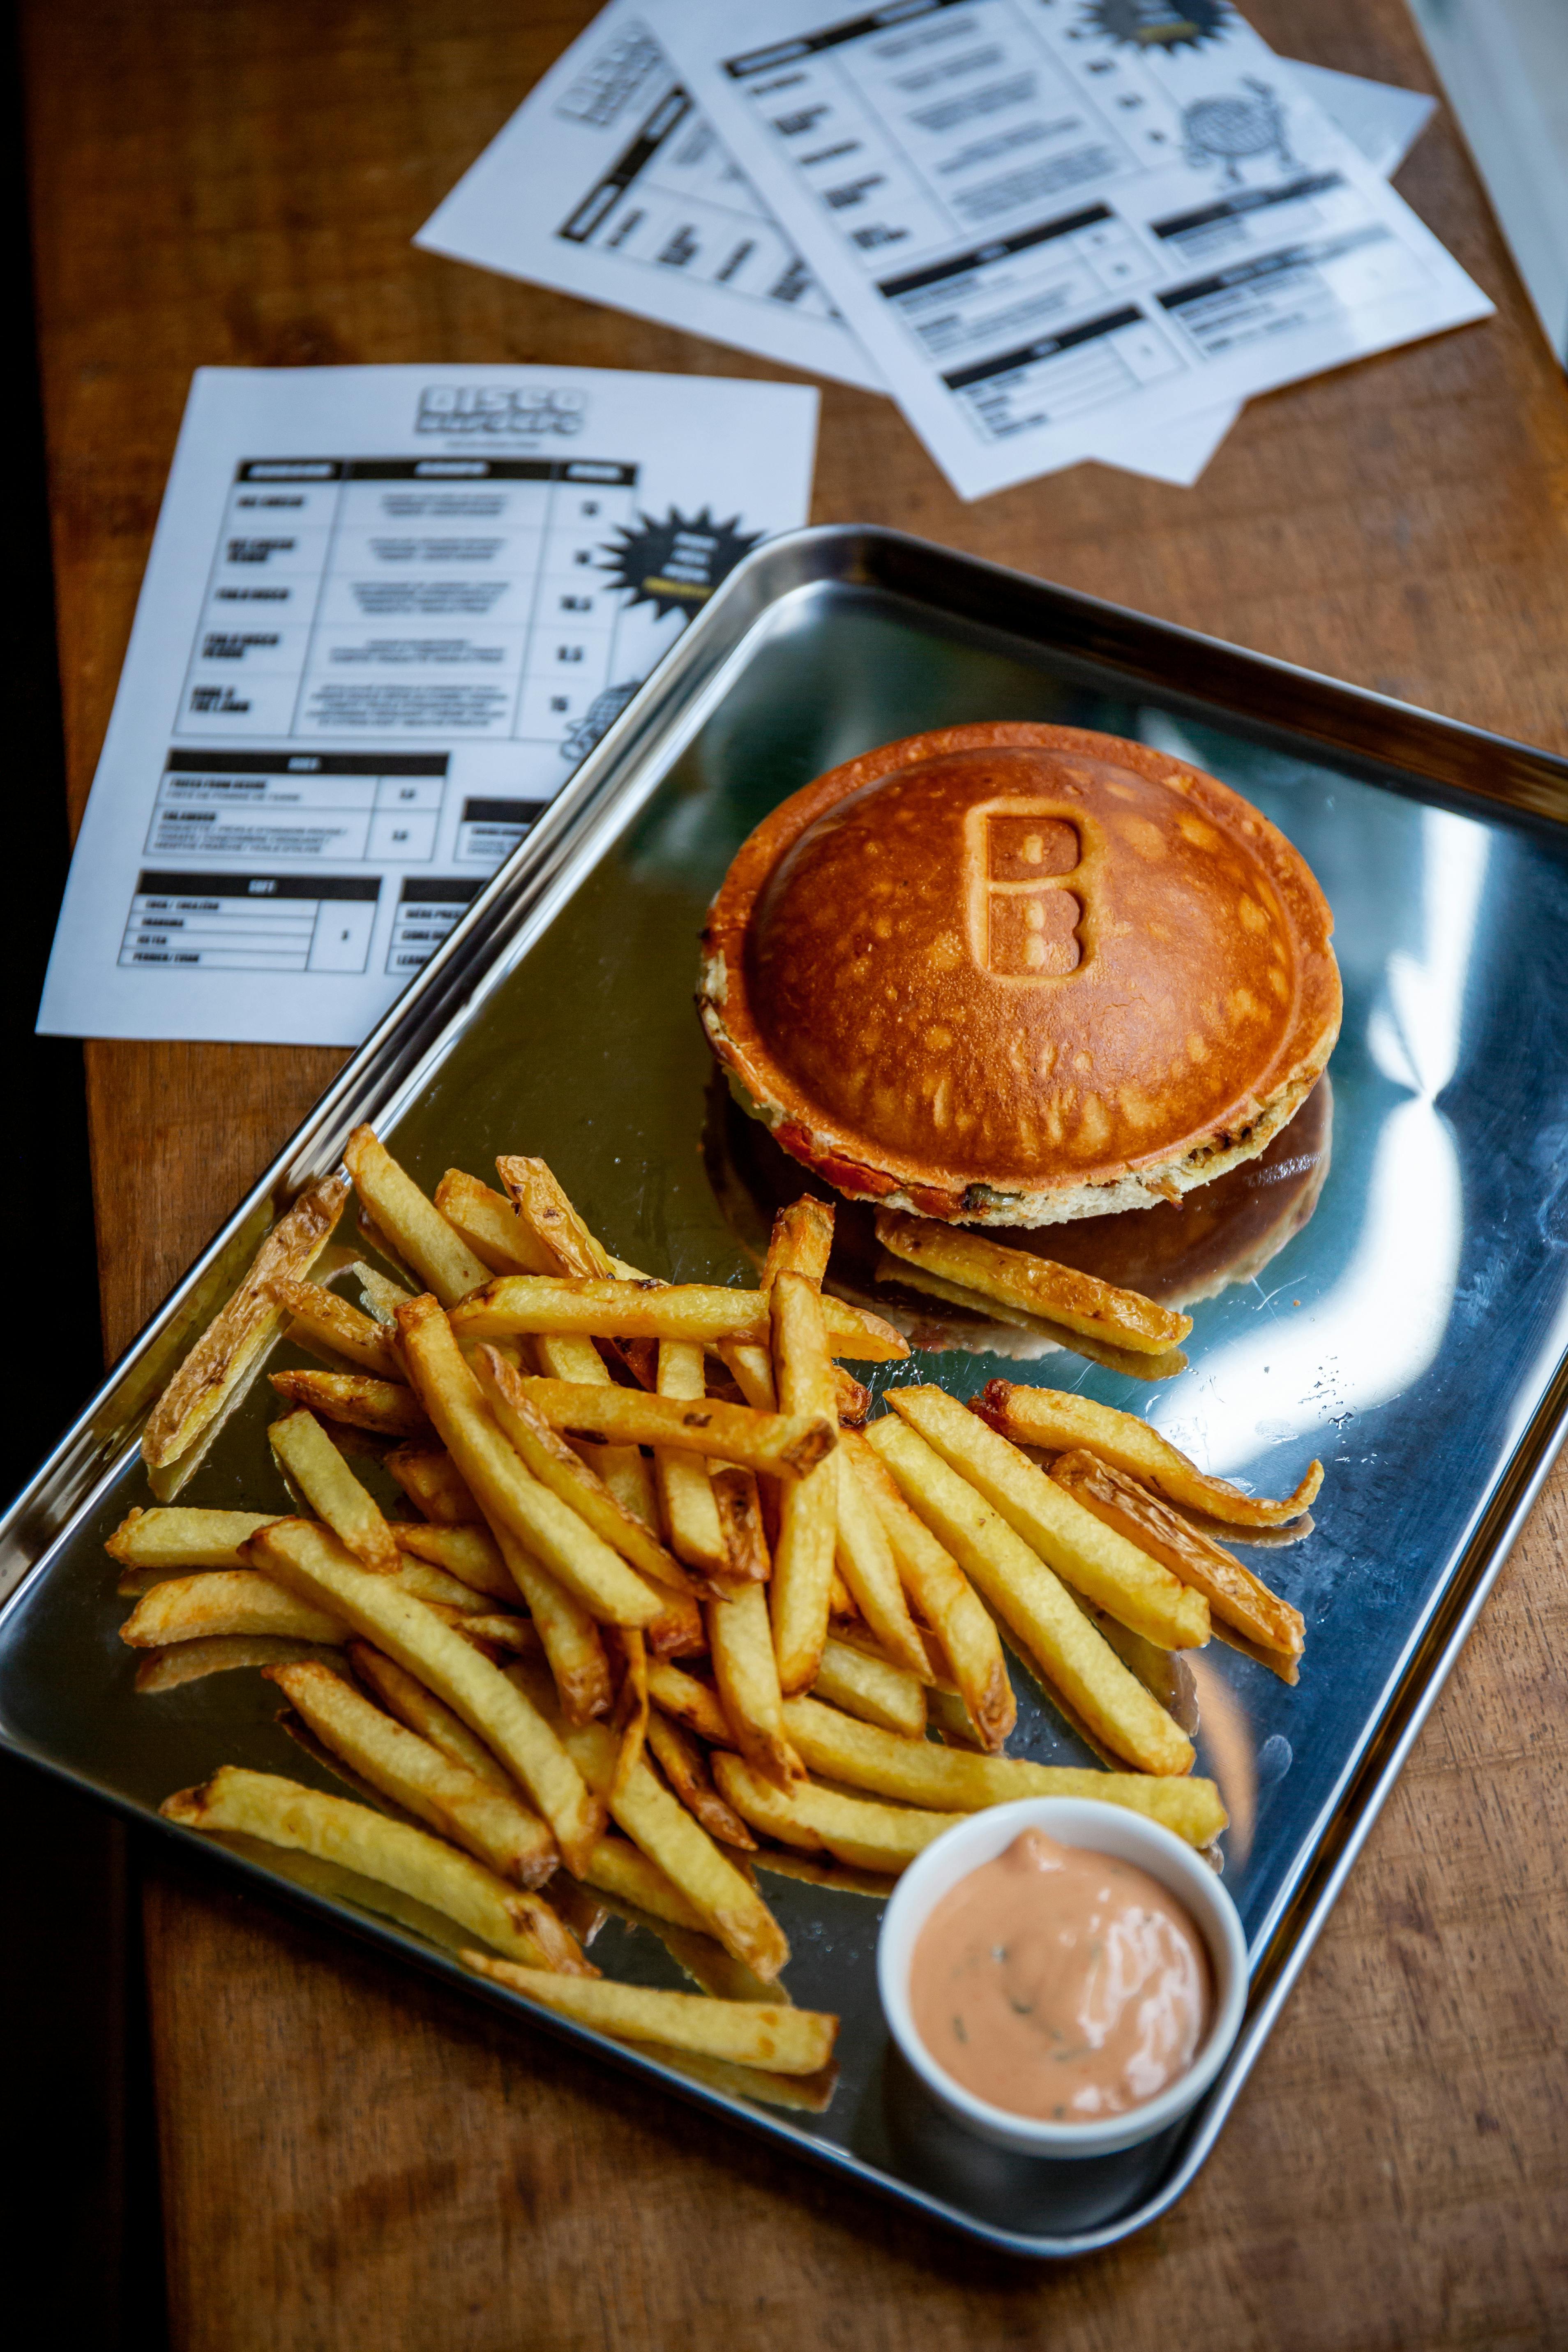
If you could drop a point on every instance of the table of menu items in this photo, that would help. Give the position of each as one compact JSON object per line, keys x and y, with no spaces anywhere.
{"x":352,"y":2154}
{"x":463,"y":597}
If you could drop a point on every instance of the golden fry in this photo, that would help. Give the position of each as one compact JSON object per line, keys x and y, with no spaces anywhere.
{"x":358,"y":1398}
{"x":234,"y":1343}
{"x":1236,"y":1595}
{"x":705,"y":1315}
{"x":406,"y":1696}
{"x":491,"y":1227}
{"x":1102,"y":1563}
{"x":619,"y":1869}
{"x":942,"y":1592}
{"x":778,"y":1444}
{"x":433,"y":1483}
{"x":263,"y":1805}
{"x":175,"y":1536}
{"x":740,"y":1508}
{"x":865,"y":1835}
{"x":567,"y":1629}
{"x":313,"y":1564}
{"x":872,"y":1688}
{"x":468,"y":1553}
{"x":800,"y":1592}
{"x":865,"y":1560}
{"x":322,"y":1319}
{"x":685,"y":1495}
{"x":555,"y":1464}
{"x":219,"y":1653}
{"x":306,"y":1454}
{"x":1059,"y":1421}
{"x":686,"y":1769}
{"x":1038,"y":1284}
{"x":417,"y":1231}
{"x":951,"y":1779}
{"x":689,"y":1701}
{"x":500,"y":1830}
{"x":509,"y":1495}
{"x":544,"y":1209}
{"x":745,"y":1671}
{"x":1076,"y":1658}
{"x":754,"y":2033}
{"x":224,"y":1600}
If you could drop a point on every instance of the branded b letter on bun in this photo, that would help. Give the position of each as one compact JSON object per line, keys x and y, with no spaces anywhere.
{"x":1014,"y":974}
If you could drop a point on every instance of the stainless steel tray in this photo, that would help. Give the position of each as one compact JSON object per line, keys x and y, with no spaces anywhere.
{"x":1412,"y":1332}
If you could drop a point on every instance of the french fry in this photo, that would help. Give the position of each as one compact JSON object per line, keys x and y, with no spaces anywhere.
{"x":497,"y":1828}
{"x":544,"y":1209}
{"x":433,"y":1483}
{"x":1058,"y":1421}
{"x":567,"y":1629}
{"x":219,"y":1653}
{"x":619,"y":1869}
{"x":1076,"y":1659}
{"x":942,"y":1592}
{"x":739,"y":1509}
{"x":1237,"y":1597}
{"x":224,"y":1600}
{"x":754,"y":2033}
{"x":777,"y":1444}
{"x":1103,"y":1563}
{"x":686,"y":1498}
{"x":864,"y":1561}
{"x":691,"y":1702}
{"x":562,"y":1357}
{"x":703,"y":1315}
{"x":358,"y":1398}
{"x":491,"y":1227}
{"x":406,"y":1696}
{"x":632,"y":1708}
{"x":1038,"y":1284}
{"x":315,"y":1566}
{"x":431,"y":1584}
{"x":469,"y":1553}
{"x":854,"y":1830}
{"x":686,"y":1769}
{"x":951,"y":1779}
{"x":753,"y":1371}
{"x":177,"y":1537}
{"x":508,"y":1493}
{"x":654,"y":1820}
{"x":324,"y":1319}
{"x":417,"y":1231}
{"x":873,"y":1688}
{"x":800,"y":1590}
{"x":306,"y":1454}
{"x":234,"y":1343}
{"x":382,"y":1295}
{"x":745,"y":1670}
{"x":558,"y":1466}
{"x":333,"y":1829}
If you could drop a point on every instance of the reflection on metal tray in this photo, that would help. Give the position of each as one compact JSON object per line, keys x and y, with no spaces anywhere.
{"x":1405,"y":1316}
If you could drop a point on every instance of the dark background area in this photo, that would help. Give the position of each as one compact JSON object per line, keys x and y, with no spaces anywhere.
{"x":79,"y":2216}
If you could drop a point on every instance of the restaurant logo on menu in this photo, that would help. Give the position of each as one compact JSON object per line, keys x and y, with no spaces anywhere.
{"x":511,"y":412}
{"x":1161,"y":24}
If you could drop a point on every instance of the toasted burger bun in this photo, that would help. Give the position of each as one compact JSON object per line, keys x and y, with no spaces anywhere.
{"x":1015,"y":974}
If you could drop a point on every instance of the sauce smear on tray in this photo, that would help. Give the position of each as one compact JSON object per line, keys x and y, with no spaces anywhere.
{"x":1061,"y":1983}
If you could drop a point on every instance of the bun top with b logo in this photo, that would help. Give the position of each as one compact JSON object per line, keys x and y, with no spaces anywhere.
{"x":1011,"y":974}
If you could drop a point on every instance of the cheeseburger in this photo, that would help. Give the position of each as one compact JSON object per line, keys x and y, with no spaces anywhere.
{"x":1017,"y":974}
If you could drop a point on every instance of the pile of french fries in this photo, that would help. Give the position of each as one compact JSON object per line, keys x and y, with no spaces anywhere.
{"x":658,"y":1605}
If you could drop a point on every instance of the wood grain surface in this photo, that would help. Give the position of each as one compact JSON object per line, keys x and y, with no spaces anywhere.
{"x":351,"y":2156}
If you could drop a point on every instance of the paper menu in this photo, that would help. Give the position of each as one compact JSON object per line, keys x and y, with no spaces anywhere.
{"x":609,"y":181}
{"x":1051,"y":220}
{"x":386,"y":611}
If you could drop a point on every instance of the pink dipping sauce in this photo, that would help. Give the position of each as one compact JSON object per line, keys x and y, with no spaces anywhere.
{"x":1060,"y":1983}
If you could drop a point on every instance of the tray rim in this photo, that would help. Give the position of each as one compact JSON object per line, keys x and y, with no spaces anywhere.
{"x":1393,"y":745}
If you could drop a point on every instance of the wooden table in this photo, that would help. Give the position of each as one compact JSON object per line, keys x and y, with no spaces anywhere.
{"x":352,"y":2157}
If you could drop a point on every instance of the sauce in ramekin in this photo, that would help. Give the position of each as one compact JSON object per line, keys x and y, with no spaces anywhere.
{"x":1061,"y":1983}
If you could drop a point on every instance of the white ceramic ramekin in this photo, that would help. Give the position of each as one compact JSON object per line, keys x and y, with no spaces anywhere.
{"x":977,"y":1838}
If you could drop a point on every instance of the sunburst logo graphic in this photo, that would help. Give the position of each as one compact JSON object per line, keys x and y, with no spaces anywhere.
{"x":1159,"y":24}
{"x":675,"y":565}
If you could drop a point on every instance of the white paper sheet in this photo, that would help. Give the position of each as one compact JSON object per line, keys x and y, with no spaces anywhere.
{"x":386,"y":611}
{"x":1054,"y":221}
{"x":608,"y":182}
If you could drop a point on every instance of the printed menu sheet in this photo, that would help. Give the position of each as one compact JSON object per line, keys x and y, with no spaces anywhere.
{"x":1051,"y":220}
{"x":611,"y":183}
{"x":387,"y":613}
